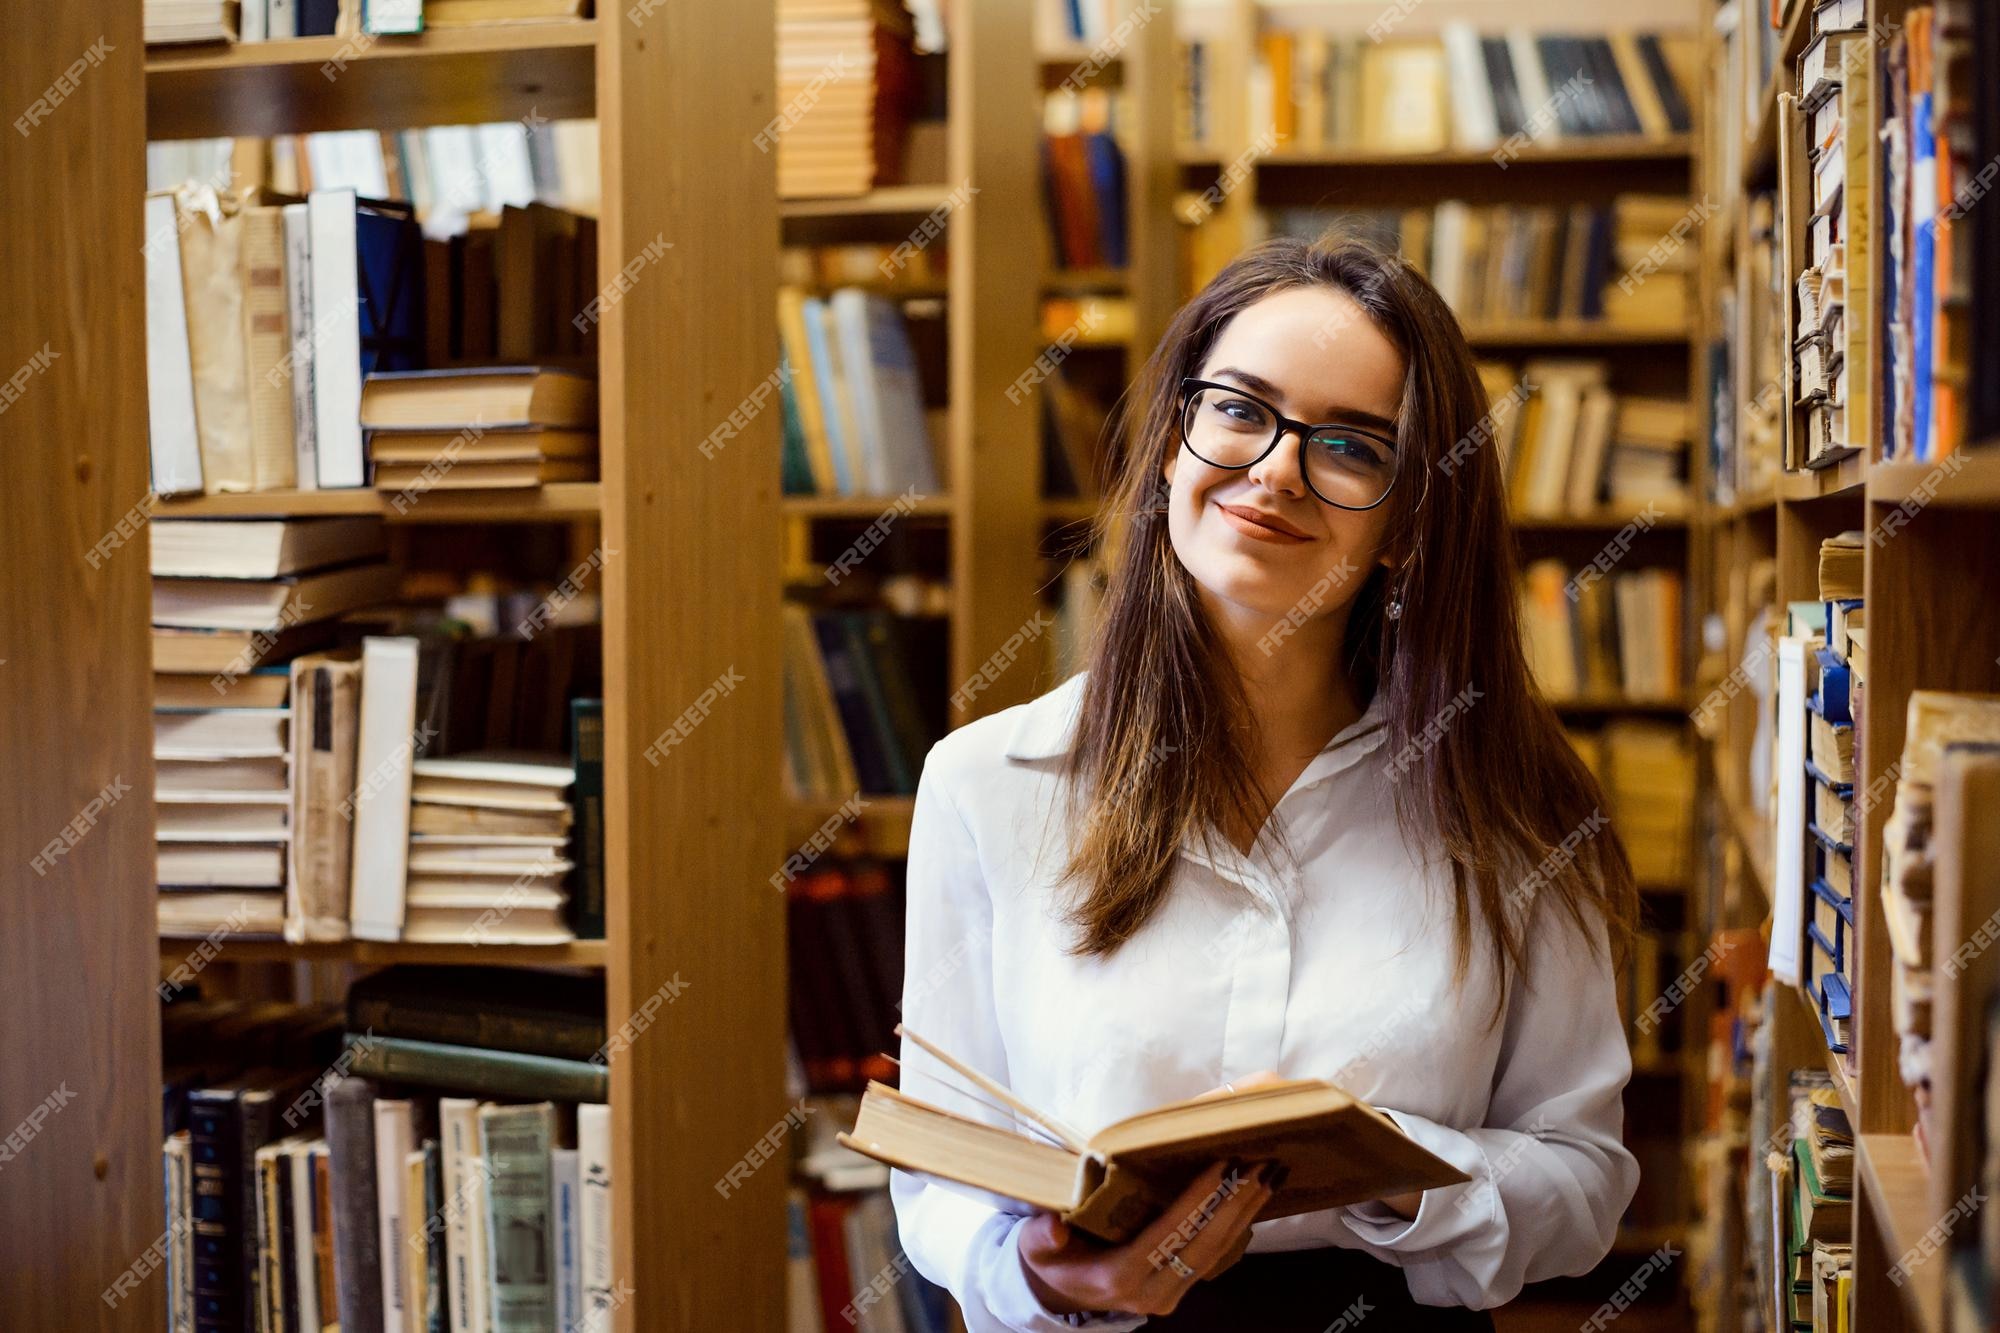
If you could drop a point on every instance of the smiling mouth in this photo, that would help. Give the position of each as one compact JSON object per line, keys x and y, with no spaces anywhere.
{"x":1260,"y":527}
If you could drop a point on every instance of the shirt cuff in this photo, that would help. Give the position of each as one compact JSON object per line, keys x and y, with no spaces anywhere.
{"x":1444,"y":1214}
{"x":1014,"y":1303}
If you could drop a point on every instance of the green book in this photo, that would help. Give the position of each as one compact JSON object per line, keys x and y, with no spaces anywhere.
{"x":795,"y":468}
{"x":476,"y":1072}
{"x":514,"y":1143}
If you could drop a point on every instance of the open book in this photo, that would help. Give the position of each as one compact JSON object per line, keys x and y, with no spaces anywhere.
{"x":1337,"y":1149}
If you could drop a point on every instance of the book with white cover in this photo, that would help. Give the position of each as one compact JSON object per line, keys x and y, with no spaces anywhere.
{"x":395,"y":1136}
{"x":217,"y":733}
{"x":593,"y":1153}
{"x":175,"y":444}
{"x":464,"y":1255}
{"x":524,"y":768}
{"x":382,"y":787}
{"x":336,"y":332}
{"x":299,"y":309}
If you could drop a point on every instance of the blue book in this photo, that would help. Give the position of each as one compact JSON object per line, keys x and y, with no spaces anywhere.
{"x":1831,"y":700}
{"x":1923,"y":265}
{"x":831,"y":395}
{"x":1107,"y":181}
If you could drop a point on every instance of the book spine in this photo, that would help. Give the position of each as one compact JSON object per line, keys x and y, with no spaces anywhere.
{"x":593,"y":1153}
{"x":437,"y":1294}
{"x":305,"y":1277}
{"x":393,"y":1118}
{"x":458,"y":1127}
{"x":569,"y":1269}
{"x":586,"y":904}
{"x":357,"y":1245}
{"x":524,"y":1034}
{"x":480,"y":1072}
{"x":299,"y":322}
{"x":266,"y":334}
{"x":515,"y":1141}
{"x":215,"y":1143}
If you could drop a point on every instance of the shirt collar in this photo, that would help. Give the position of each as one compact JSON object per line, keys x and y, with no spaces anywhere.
{"x":1046,"y":727}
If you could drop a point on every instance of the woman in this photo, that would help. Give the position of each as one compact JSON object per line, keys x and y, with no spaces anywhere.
{"x":1304,"y":816}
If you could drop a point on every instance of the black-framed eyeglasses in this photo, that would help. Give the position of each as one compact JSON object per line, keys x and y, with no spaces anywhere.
{"x":1347,"y":466}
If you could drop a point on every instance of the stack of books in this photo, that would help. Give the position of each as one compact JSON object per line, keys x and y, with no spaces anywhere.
{"x":1592,"y":635}
{"x":261,"y":320}
{"x":172,"y":22}
{"x":297,"y":1199}
{"x":841,"y":1242}
{"x":1575,"y":445}
{"x":1498,"y":264}
{"x":847,"y":86}
{"x":1837,"y":674}
{"x":232,"y":600}
{"x":493,"y":427}
{"x":488,"y":853}
{"x":1819,"y":1207}
{"x":1825,"y":340}
{"x":855,"y":406}
{"x":1935,"y":720}
{"x":864,"y":701}
{"x":1313,"y":91}
{"x":1083,"y":180}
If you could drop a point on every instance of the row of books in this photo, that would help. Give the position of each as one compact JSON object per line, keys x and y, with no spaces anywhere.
{"x":1311,"y":90}
{"x":1593,"y":634}
{"x":1836,"y":672}
{"x":848,"y":87}
{"x":1747,"y":365}
{"x":384,"y":1181}
{"x":1570,"y":444}
{"x":1647,"y":772}
{"x":169,"y":22}
{"x":906,"y":271}
{"x":454,"y":176}
{"x":1831,"y":93}
{"x":844,"y":919}
{"x":864,"y":700}
{"x":1938,"y":146}
{"x":1503,"y":263}
{"x":843,"y":1247}
{"x":448,"y":800}
{"x":854,"y":401}
{"x":1084,"y":190}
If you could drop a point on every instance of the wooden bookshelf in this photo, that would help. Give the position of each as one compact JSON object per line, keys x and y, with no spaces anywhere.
{"x":447,"y":76}
{"x":1933,"y":537}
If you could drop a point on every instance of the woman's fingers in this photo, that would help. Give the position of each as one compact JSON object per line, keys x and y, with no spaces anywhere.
{"x":1228,"y":1258}
{"x":1227,"y":1220}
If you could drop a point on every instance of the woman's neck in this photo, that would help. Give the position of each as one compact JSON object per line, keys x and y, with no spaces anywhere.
{"x":1296,"y":686}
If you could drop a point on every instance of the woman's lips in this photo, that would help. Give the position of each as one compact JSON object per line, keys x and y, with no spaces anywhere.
{"x":1258,"y":526}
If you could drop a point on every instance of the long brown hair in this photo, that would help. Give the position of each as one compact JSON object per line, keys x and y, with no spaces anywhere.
{"x":1513,"y":807}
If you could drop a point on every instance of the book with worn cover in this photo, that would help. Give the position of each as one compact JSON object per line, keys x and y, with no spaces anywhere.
{"x":1337,"y":1150}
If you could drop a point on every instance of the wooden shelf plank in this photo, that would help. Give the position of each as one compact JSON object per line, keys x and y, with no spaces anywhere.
{"x":1894,"y":1180}
{"x":1069,"y":281}
{"x":1601,"y":520}
{"x":883,"y":822}
{"x":864,"y":507}
{"x":578,"y":953}
{"x":1969,"y":479}
{"x":1614,"y":148}
{"x":447,"y":76}
{"x":556,"y":502}
{"x":890,"y":201}
{"x":1844,"y":478}
{"x":1576,"y":333}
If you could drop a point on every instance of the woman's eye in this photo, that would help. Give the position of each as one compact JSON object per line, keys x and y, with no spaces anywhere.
{"x":1241,"y":412}
{"x":1349,"y":449}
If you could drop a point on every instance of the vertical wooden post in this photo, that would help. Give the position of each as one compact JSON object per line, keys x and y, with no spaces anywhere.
{"x":998,"y":625}
{"x":80,"y":1195}
{"x":692,"y":662}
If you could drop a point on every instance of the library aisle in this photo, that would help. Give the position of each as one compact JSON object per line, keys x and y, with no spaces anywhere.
{"x":503,"y":499}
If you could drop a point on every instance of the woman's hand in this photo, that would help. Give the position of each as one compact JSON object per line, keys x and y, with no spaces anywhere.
{"x":1070,"y":1272}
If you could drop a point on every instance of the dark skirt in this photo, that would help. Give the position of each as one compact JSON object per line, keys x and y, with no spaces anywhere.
{"x":1312,"y":1291}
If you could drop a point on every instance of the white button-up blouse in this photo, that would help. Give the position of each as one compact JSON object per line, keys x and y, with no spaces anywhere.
{"x":1334,"y":962}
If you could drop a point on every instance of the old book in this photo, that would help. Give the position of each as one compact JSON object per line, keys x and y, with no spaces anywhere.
{"x":491,"y":396}
{"x":593,"y":1152}
{"x":230,"y":652}
{"x":191,"y":915}
{"x":260,"y":548}
{"x":483,"y":475}
{"x":395,"y":1138}
{"x":211,"y":241}
{"x":454,"y":448}
{"x":562,"y":1016}
{"x":267,"y":338}
{"x":267,"y":606}
{"x":515,"y":1143}
{"x":1840,"y":567}
{"x":563,"y":1203}
{"x":303,"y":1257}
{"x":381,"y":825}
{"x":1336,"y":1148}
{"x":266,"y":687}
{"x":465,"y":1253}
{"x":357,"y":1241}
{"x":325,"y":737}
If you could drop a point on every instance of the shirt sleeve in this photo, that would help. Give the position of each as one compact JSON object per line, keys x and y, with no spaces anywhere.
{"x":1550,"y":1171}
{"x":967,"y":1246}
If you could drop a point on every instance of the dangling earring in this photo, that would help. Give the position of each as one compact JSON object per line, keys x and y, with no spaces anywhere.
{"x":1394,"y":610}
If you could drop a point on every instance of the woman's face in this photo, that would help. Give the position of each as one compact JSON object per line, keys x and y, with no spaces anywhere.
{"x":1257,"y":539}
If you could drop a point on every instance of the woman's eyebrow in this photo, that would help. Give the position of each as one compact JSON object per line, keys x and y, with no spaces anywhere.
{"x":1352,"y":416}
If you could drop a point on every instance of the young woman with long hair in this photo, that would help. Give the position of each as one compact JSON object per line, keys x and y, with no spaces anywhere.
{"x":1304,"y":816}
